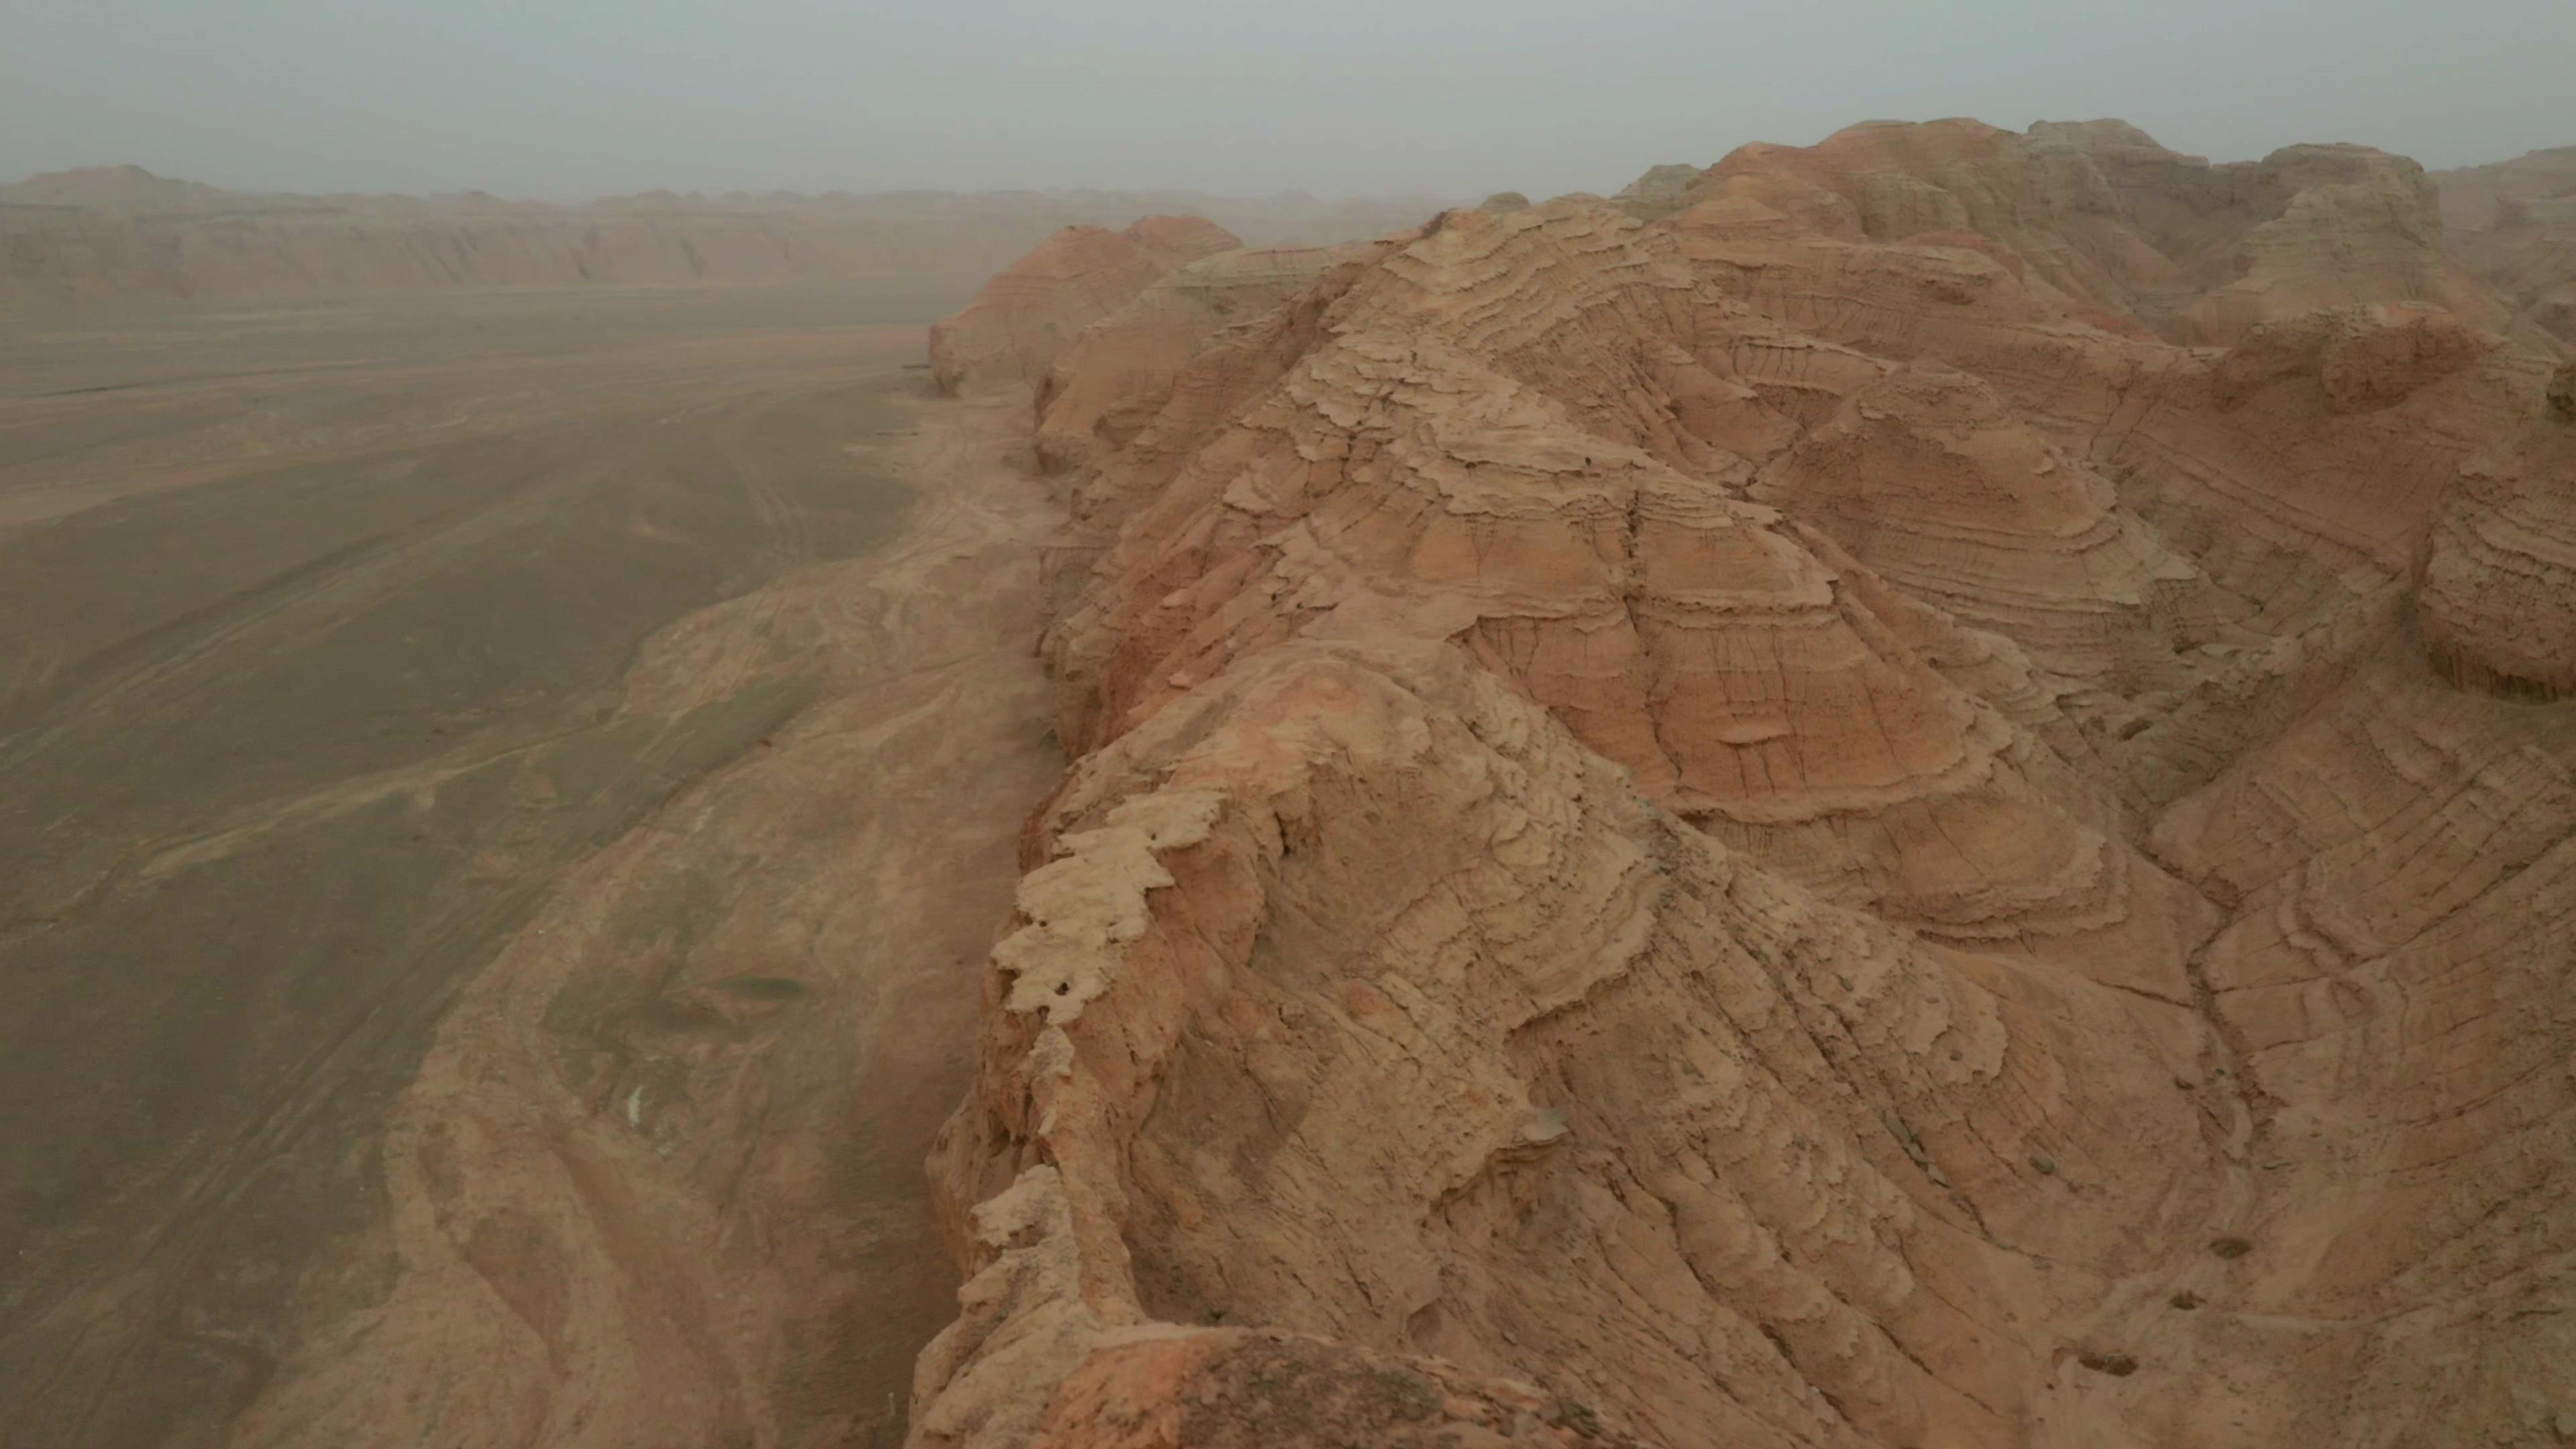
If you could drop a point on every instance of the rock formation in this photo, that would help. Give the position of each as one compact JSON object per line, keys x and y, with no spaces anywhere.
{"x":2514,"y":224}
{"x":1780,"y":826}
{"x":1090,"y":396}
{"x":1658,"y":193}
{"x":2498,"y":586}
{"x":1028,"y":313}
{"x":2097,"y":216}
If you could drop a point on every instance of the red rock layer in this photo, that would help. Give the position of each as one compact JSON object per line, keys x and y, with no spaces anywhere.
{"x":1769,"y":833}
{"x":2099,"y":216}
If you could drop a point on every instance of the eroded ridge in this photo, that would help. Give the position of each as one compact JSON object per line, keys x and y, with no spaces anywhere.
{"x":1015,"y":326}
{"x":1694,"y":824}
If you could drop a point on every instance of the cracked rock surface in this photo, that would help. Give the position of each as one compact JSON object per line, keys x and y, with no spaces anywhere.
{"x":1756,"y":816}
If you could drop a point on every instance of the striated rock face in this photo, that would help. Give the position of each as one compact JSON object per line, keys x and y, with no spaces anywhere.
{"x":1779,"y":827}
{"x":1027,"y":314}
{"x":2363,"y":358}
{"x":1927,"y":477}
{"x":2100,"y":216}
{"x":1098,"y":391}
{"x":2498,"y":586}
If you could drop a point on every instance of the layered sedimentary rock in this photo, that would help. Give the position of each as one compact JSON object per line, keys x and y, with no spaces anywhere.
{"x":2514,"y":224}
{"x":2498,"y":585}
{"x":1030,"y":311}
{"x":2098,"y":215}
{"x":1935,"y":484}
{"x":1777,"y":826}
{"x":1095,"y":391}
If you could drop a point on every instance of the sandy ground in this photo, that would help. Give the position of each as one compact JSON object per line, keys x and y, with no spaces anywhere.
{"x":500,"y":802}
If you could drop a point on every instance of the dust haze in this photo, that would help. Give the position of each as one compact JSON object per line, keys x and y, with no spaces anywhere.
{"x":567,"y":102}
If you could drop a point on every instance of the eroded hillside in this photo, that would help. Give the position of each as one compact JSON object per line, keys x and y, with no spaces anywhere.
{"x":1767,"y":815}
{"x":2514,"y":223}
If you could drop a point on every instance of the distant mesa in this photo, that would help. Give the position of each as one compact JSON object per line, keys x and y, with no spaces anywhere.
{"x":119,"y":232}
{"x":115,"y":188}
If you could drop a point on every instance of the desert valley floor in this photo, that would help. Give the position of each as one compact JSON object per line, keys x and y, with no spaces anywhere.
{"x":371,"y":671}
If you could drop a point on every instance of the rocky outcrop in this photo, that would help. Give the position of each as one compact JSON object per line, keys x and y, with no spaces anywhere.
{"x":1779,"y":827}
{"x":1029,"y":312}
{"x":1232,"y":1389}
{"x":2362,"y":358}
{"x":2098,"y":215}
{"x":2358,"y":226}
{"x":2514,"y":224}
{"x":1930,"y":480}
{"x":2498,"y":585}
{"x":1093,"y":395}
{"x":1658,"y":192}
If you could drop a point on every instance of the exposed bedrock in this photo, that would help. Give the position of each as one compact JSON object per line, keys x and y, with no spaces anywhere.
{"x":1777,"y":825}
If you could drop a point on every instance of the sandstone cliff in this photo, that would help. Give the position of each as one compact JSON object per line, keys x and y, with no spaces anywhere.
{"x":1778,"y":826}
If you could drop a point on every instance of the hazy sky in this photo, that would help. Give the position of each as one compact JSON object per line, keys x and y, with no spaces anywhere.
{"x":571,"y":98}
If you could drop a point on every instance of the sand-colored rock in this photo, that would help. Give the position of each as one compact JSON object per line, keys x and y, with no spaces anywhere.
{"x":1231,"y":1389}
{"x":2363,"y":358}
{"x":1702,"y":641}
{"x":2305,"y":519}
{"x":1781,"y":823}
{"x":1106,"y":384}
{"x":2498,"y":585}
{"x":1658,"y":192}
{"x":1028,"y":313}
{"x":1484,"y":1108}
{"x":2514,"y":224}
{"x":2100,"y":215}
{"x":1930,"y":480}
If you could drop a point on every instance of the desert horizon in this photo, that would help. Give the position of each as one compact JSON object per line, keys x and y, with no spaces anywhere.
{"x":87,"y":235}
